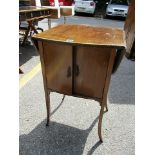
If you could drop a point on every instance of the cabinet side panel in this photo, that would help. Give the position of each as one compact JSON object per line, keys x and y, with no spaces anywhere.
{"x":129,"y":27}
{"x":58,"y":67}
{"x":92,"y":64}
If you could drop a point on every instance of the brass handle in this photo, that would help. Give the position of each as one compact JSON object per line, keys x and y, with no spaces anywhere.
{"x":69,"y":72}
{"x":77,"y":71}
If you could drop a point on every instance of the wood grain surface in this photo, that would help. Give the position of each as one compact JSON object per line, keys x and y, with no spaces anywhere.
{"x":82,"y":34}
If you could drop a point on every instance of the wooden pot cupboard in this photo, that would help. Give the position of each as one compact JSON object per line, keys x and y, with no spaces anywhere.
{"x":78,"y":60}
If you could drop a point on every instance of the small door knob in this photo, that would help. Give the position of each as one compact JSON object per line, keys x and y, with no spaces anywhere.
{"x":77,"y":70}
{"x":69,"y":72}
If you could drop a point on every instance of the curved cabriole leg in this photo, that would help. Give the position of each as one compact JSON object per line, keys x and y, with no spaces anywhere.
{"x":103,"y":105}
{"x":47,"y":97}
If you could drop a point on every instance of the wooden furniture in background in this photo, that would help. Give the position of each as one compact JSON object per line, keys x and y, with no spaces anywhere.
{"x":32,"y":14}
{"x":58,"y":11}
{"x":44,"y":2}
{"x":26,"y":2}
{"x":78,"y":60}
{"x":55,"y":11}
{"x":66,"y":11}
{"x":129,"y":29}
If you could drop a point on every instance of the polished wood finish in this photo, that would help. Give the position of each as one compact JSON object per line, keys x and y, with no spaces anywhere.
{"x":92,"y":63}
{"x":85,"y":35}
{"x":77,"y":64}
{"x":59,"y":61}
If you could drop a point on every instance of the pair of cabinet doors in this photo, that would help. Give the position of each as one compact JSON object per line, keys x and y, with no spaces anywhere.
{"x":76,"y":70}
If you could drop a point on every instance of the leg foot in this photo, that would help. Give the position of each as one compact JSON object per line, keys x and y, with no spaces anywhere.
{"x":106,"y":109}
{"x":20,"y":71}
{"x":100,"y":125}
{"x":47,"y":96}
{"x":47,"y":123}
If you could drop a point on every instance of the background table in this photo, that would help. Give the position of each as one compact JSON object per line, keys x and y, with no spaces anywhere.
{"x":32,"y":14}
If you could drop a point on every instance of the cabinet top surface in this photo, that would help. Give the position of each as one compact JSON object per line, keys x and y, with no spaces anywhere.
{"x":82,"y":34}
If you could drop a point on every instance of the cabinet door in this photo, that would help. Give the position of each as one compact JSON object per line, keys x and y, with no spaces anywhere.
{"x":58,"y":67}
{"x":90,"y":71}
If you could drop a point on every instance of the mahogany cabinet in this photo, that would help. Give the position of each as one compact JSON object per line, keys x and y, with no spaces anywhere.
{"x":76,"y":70}
{"x":78,"y":60}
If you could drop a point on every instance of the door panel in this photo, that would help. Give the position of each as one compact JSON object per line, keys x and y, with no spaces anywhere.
{"x":91,"y":72}
{"x":58,"y":67}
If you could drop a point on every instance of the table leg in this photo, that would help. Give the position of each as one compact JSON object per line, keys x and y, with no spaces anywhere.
{"x":32,"y":27}
{"x":104,"y":107}
{"x":26,"y":35}
{"x":49,"y":23}
{"x":65,"y":19}
{"x":103,"y":110}
{"x":47,"y":97}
